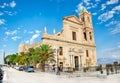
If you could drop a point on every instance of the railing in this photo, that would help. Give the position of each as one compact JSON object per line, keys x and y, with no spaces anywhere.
{"x":96,"y":70}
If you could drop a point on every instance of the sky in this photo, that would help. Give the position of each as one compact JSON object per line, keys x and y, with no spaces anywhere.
{"x":23,"y":21}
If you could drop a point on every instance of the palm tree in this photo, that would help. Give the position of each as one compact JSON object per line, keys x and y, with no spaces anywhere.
{"x":46,"y":54}
{"x":34,"y":56}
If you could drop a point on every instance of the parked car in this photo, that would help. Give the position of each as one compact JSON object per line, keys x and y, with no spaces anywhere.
{"x":29,"y":69}
{"x":1,"y":75}
{"x":21,"y":68}
{"x":17,"y":67}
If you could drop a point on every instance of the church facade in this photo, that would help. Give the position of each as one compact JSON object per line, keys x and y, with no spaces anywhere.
{"x":74,"y":45}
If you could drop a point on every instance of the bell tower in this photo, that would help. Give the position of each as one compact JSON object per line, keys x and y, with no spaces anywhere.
{"x":88,"y":32}
{"x":85,"y":17}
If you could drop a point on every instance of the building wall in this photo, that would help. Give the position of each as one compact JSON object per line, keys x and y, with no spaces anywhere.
{"x":25,"y":47}
{"x":78,"y":51}
{"x":74,"y":48}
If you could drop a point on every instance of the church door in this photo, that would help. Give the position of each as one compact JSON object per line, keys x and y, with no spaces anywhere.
{"x":76,"y":63}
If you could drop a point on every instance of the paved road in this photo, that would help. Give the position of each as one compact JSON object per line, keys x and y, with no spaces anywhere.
{"x":14,"y":76}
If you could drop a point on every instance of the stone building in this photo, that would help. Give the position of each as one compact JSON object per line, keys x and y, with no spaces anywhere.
{"x":75,"y":46}
{"x":25,"y":47}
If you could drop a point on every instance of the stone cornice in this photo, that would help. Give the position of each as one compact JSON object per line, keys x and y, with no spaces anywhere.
{"x":66,"y":18}
{"x":68,"y":41}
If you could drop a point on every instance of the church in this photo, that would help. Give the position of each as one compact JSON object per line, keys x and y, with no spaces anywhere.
{"x":74,"y":45}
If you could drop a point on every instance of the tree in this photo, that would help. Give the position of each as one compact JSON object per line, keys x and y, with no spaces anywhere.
{"x":46,"y":54}
{"x":34,"y":56}
{"x":11,"y":58}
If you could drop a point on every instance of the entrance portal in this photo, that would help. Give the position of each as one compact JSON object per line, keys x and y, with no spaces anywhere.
{"x":61,"y":66}
{"x":76,"y":63}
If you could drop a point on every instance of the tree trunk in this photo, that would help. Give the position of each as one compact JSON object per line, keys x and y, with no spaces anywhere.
{"x":43,"y":66}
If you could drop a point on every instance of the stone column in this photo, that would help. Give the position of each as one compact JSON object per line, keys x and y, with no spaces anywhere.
{"x":73,"y":61}
{"x":79,"y":62}
{"x":70,"y":61}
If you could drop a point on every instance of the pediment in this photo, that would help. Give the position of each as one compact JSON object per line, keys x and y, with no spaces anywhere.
{"x":73,"y":19}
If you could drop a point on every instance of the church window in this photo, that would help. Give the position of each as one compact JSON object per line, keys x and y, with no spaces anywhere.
{"x":60,"y":50}
{"x":82,"y":19}
{"x":74,"y":35}
{"x":85,"y":36}
{"x":87,"y":54}
{"x":90,"y":35}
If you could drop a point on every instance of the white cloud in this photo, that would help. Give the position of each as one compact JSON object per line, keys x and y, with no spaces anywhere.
{"x":11,"y":32}
{"x":4,"y":5}
{"x":94,"y":13}
{"x":2,"y":21}
{"x":86,"y":2}
{"x":79,"y":7}
{"x":108,"y":15}
{"x":112,"y":2}
{"x":103,"y":6}
{"x":116,"y":30}
{"x":37,"y":31}
{"x":15,"y":38}
{"x":89,"y":7}
{"x":94,"y":5}
{"x":36,"y":35}
{"x":112,"y":23}
{"x":27,"y":42}
{"x":117,"y":8}
{"x":10,"y":13}
{"x":12,"y":4}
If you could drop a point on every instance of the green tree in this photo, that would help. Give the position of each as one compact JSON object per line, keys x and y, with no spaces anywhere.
{"x":11,"y":58}
{"x":46,"y":54}
{"x":34,"y":56}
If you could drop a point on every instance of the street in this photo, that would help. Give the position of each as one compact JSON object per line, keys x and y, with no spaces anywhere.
{"x":14,"y":76}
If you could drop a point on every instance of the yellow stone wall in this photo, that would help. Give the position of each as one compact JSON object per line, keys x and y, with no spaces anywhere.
{"x":72,"y":48}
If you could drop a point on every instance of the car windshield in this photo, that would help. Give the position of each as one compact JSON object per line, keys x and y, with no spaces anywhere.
{"x":31,"y":67}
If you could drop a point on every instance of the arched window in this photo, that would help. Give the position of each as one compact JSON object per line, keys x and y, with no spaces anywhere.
{"x":90,"y":34}
{"x":85,"y":36}
{"x":87,"y":54}
{"x":82,"y":19}
{"x":60,"y":50}
{"x":74,"y":35}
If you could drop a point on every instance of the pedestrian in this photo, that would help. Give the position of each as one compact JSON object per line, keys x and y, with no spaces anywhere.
{"x":58,"y":71}
{"x":53,"y":68}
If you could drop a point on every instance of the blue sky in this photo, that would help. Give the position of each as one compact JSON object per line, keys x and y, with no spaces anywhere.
{"x":23,"y":21}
